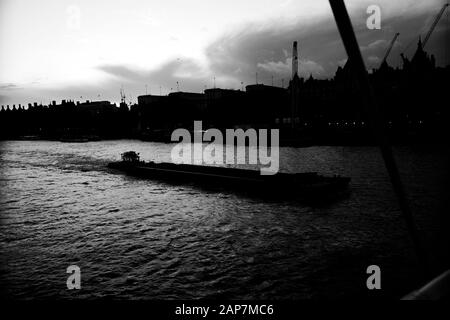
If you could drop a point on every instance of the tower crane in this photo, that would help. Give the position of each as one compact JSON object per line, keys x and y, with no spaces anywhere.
{"x":430,"y":31}
{"x":389,"y":49}
{"x":435,"y":22}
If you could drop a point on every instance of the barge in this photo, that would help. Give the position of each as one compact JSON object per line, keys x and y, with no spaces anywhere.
{"x":305,"y":184}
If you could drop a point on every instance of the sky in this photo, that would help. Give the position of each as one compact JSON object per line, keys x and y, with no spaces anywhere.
{"x":89,"y":49}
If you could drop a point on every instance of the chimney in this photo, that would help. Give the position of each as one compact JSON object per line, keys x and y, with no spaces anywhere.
{"x":294,"y":60}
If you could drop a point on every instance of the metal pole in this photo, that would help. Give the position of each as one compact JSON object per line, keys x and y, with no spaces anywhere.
{"x":359,"y":71}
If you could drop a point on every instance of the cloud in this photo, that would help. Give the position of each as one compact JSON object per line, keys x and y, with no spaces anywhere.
{"x":189,"y":73}
{"x":267,"y":50}
{"x":373,"y":62}
{"x":311,"y":67}
{"x":342,"y":62}
{"x":265,"y":47}
{"x":380,"y":43}
{"x":9,"y":86}
{"x":284,"y":68}
{"x":278,"y":67}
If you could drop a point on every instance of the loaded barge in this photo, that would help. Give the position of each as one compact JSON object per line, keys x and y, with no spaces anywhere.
{"x":299,"y":184}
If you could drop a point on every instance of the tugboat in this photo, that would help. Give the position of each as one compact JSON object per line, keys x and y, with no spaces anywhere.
{"x":308,"y":184}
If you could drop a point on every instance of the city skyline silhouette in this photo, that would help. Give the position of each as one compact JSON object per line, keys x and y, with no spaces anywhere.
{"x":86,"y":51}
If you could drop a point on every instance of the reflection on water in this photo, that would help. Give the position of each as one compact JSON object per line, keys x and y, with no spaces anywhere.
{"x":135,"y":238}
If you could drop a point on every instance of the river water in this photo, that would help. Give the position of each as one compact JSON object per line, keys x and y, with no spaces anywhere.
{"x":143,"y":239}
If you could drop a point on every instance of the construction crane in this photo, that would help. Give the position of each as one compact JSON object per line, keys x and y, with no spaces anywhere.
{"x":427,"y":36}
{"x":389,"y":49}
{"x":435,"y":22}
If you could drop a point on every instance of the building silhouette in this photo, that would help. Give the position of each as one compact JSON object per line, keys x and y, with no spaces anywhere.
{"x":326,"y":110}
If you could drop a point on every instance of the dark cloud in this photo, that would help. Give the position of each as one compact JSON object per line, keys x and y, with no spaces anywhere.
{"x":267,"y":51}
{"x":188,"y":73}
